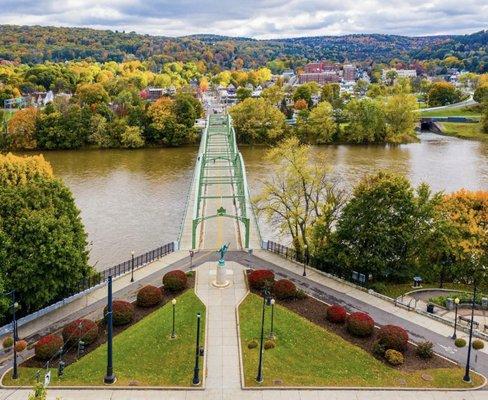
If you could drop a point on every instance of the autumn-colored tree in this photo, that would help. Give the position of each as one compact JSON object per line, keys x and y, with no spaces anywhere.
{"x":300,"y":104}
{"x":401,"y":115}
{"x":22,"y":129}
{"x":203,"y":85}
{"x":317,"y":126}
{"x":91,"y":94}
{"x":443,"y":93}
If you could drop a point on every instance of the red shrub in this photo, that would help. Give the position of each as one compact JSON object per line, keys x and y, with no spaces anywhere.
{"x":48,"y":346}
{"x":336,"y":314}
{"x":80,"y":329}
{"x":174,"y":281}
{"x":149,"y":296}
{"x":393,"y":337}
{"x":360,"y":324}
{"x":261,"y":278}
{"x":284,"y":289}
{"x":123,"y":312}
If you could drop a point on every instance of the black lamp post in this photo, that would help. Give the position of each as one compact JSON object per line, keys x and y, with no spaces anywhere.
{"x":466,"y":377}
{"x":173,"y":333}
{"x":271,"y":333}
{"x":305,"y":261}
{"x":266,"y":300}
{"x":456,"y":302}
{"x":196,"y":370}
{"x":110,"y":377}
{"x":192,"y":253}
{"x":132,"y":268}
{"x":15,"y":372}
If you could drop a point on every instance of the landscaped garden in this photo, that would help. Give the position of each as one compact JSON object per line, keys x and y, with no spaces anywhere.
{"x":318,"y":345}
{"x":144,"y":353}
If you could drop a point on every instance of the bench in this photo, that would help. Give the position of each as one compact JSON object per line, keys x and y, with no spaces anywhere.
{"x":467,"y":321}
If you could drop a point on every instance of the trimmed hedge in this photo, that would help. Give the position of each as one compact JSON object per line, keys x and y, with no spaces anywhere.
{"x":336,"y":314}
{"x":460,"y":342}
{"x":284,"y":289}
{"x":360,"y":324}
{"x":48,"y":346}
{"x":478,"y":344}
{"x":261,"y":278}
{"x":149,"y":296}
{"x":393,"y":337}
{"x":20,"y":345}
{"x":80,"y":329}
{"x":394,"y":357}
{"x":174,"y":281}
{"x":8,"y":342}
{"x":123,"y":312}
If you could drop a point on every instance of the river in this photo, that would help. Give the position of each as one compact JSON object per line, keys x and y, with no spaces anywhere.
{"x":135,"y":200}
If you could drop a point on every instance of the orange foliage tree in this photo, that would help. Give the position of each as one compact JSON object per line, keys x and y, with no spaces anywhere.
{"x":22,"y":129}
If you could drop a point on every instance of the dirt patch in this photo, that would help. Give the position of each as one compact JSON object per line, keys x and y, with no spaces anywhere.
{"x":315,"y":311}
{"x":71,"y":355}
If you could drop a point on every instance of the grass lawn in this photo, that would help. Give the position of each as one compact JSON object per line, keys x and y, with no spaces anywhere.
{"x":308,"y":355}
{"x":452,"y":112}
{"x":395,"y":290}
{"x":143,"y":354}
{"x":465,"y":131}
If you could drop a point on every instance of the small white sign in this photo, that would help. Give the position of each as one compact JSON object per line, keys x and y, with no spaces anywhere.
{"x":47,"y":379}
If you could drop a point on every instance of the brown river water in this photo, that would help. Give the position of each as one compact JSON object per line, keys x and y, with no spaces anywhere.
{"x":135,"y":200}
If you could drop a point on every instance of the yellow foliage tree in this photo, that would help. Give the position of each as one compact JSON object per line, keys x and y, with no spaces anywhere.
{"x":22,"y":129}
{"x":16,"y":170}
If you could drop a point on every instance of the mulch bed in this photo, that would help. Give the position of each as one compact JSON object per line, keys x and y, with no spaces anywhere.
{"x":139,"y":313}
{"x":315,"y":311}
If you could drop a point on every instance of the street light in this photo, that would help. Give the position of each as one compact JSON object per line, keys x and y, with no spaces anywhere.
{"x":15,"y":305}
{"x":266,"y":301}
{"x":110,"y":377}
{"x":132,"y":267}
{"x":173,"y":334}
{"x":466,"y":377}
{"x":271,"y":333}
{"x":196,"y":375}
{"x":456,"y":302}
{"x":305,"y":261}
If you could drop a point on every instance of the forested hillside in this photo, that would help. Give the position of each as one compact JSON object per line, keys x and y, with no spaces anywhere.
{"x":35,"y":44}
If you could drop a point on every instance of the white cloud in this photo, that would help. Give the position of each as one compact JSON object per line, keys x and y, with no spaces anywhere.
{"x":255,"y":18}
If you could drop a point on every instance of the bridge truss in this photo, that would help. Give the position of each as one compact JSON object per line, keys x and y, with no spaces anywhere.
{"x":220,"y":163}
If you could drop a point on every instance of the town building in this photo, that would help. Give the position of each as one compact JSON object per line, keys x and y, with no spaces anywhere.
{"x":349,"y":73}
{"x":401,"y":73}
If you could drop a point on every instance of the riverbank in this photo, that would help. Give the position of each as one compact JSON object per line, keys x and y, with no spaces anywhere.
{"x":470,"y":131}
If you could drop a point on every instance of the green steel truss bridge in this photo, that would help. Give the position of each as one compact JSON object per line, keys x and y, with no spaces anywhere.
{"x":220,"y":186}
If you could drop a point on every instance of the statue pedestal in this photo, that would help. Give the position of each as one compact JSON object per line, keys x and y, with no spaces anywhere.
{"x":221,"y":276}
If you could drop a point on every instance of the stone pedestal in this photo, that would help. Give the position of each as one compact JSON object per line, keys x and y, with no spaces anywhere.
{"x":221,"y":276}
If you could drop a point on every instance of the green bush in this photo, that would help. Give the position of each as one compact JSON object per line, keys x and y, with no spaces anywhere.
{"x":175,"y":281}
{"x":459,"y":342}
{"x":378,"y":287}
{"x":394,"y":357}
{"x":149,"y":296}
{"x":378,"y":349}
{"x":8,"y":342}
{"x":478,"y":344}
{"x":252,"y":344}
{"x":425,"y":350}
{"x":269,"y":344}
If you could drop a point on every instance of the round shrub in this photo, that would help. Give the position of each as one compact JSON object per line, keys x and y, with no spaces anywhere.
{"x":269,"y":344}
{"x":393,"y":337}
{"x":336,"y":314}
{"x":149,"y":296}
{"x":174,"y":281}
{"x":252,"y":344}
{"x":394,"y":357}
{"x":378,"y":349}
{"x":48,"y":346}
{"x":424,"y":350}
{"x":80,"y":329}
{"x":478,"y":344}
{"x":8,"y":342}
{"x":360,"y":324}
{"x":261,"y":278}
{"x":20,"y":345}
{"x":284,"y":289}
{"x":123,"y":312}
{"x":460,"y":342}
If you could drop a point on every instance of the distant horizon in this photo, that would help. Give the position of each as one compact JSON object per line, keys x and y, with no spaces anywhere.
{"x":126,"y":31}
{"x":255,"y":19}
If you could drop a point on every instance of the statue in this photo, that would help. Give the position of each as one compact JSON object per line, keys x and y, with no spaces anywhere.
{"x":221,"y":275}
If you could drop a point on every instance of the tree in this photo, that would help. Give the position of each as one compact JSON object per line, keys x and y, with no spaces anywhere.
{"x":318,"y":127}
{"x":303,"y":92}
{"x":481,"y":94}
{"x":132,"y":138}
{"x":361,"y":87}
{"x":22,"y":129}
{"x":331,"y":92}
{"x":42,"y":238}
{"x":300,"y":198}
{"x":443,"y":93}
{"x":484,"y":117}
{"x":274,"y":94}
{"x":366,"y":121}
{"x":381,"y":227}
{"x":391,"y":76}
{"x":300,"y":104}
{"x":257,"y":121}
{"x":243,"y":93}
{"x":91,"y":94}
{"x":401,"y":116}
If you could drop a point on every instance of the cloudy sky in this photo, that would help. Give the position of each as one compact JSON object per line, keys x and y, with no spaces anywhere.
{"x":255,"y":18}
